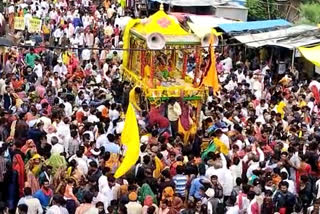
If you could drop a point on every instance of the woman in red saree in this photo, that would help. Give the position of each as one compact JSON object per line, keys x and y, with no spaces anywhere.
{"x":304,"y":169}
{"x":18,"y":165}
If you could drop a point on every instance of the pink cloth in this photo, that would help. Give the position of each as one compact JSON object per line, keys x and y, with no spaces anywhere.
{"x":316,"y":94}
{"x":255,"y":208}
{"x":41,"y":90}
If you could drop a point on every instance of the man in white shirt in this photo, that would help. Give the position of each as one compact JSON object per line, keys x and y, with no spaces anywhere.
{"x":34,"y":206}
{"x":64,"y":133}
{"x":232,"y":207}
{"x":291,"y":188}
{"x":253,"y":166}
{"x":86,"y":19}
{"x":38,"y":70}
{"x":133,"y":207}
{"x":227,"y":64}
{"x":86,"y":54}
{"x":27,"y":18}
{"x":80,"y":38}
{"x":99,"y":197}
{"x":261,"y":107}
{"x":82,"y":161}
{"x":110,"y":12}
{"x":89,"y":39}
{"x":57,"y":148}
{"x":57,"y":207}
{"x":103,"y":180}
{"x":60,"y":68}
{"x":68,"y":109}
{"x":57,"y":34}
{"x":111,"y":191}
{"x":74,"y":41}
{"x":174,"y":112}
{"x":45,"y":6}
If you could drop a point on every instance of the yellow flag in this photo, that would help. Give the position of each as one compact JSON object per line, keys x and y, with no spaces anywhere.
{"x":223,"y":148}
{"x":130,"y":138}
{"x":157,"y":171}
{"x":211,"y":78}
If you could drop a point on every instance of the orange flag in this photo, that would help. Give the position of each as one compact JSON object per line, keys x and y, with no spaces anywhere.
{"x":211,"y":77}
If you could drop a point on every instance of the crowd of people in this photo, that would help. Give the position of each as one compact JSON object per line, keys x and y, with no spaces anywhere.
{"x":255,"y":149}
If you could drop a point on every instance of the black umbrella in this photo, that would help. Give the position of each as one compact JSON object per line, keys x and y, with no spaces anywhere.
{"x":6,"y":42}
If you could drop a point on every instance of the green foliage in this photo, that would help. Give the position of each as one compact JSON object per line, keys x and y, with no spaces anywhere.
{"x":309,"y":1}
{"x":262,"y":9}
{"x":310,"y":13}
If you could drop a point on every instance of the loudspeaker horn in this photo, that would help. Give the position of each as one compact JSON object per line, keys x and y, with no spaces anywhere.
{"x":156,"y":41}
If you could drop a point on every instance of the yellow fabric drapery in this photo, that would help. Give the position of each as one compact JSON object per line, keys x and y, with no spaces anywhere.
{"x":311,"y":54}
{"x":129,"y":138}
{"x":162,"y":23}
{"x":211,"y":79}
{"x":186,"y":133}
{"x":126,"y":40}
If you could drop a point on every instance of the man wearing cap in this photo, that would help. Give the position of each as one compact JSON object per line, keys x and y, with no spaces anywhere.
{"x":60,"y":68}
{"x":133,"y":207}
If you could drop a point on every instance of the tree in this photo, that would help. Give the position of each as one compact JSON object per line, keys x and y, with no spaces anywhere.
{"x":309,"y":13}
{"x":262,"y":9}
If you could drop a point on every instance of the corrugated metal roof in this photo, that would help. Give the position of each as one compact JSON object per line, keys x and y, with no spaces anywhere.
{"x":254,"y":25}
{"x":290,"y":38}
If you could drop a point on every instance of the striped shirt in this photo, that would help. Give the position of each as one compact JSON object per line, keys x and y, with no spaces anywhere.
{"x":180,"y":182}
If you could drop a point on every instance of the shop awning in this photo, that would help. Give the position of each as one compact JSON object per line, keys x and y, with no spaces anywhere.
{"x":290,"y":38}
{"x":311,"y":54}
{"x":254,"y":25}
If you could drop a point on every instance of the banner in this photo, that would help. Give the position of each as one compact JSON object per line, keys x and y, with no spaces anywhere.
{"x":34,"y":25}
{"x":19,"y":23}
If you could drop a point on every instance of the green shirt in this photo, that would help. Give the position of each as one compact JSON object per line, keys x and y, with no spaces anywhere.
{"x":30,"y":59}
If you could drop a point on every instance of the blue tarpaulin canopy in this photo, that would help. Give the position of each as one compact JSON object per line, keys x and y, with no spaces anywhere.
{"x":253,"y":25}
{"x":240,"y":2}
